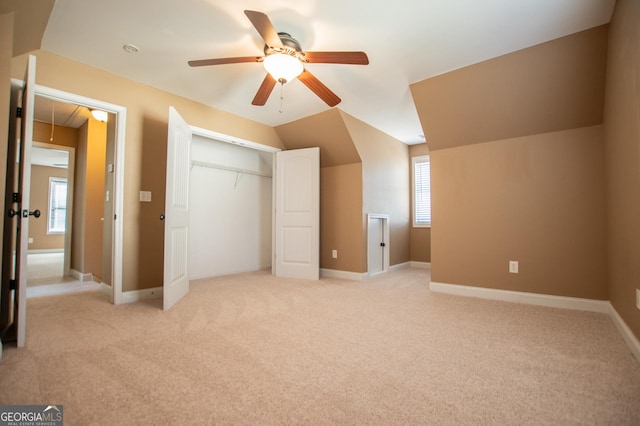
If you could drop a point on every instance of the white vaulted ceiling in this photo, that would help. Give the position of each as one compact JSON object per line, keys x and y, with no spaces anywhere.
{"x":406,"y":41}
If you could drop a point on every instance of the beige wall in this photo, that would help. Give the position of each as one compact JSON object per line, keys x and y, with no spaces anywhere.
{"x":39,"y":199}
{"x":94,"y":196}
{"x":341,"y":218}
{"x":30,"y":18}
{"x":147,"y":116}
{"x":65,"y":136}
{"x":6,"y":51}
{"x":385,"y":180}
{"x":622,"y":136}
{"x":553,"y":86}
{"x":420,"y":237}
{"x":517,"y":169}
{"x":326,"y":130}
{"x":88,"y":199}
{"x":537,"y":199}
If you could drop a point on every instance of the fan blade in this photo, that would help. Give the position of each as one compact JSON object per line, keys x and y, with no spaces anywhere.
{"x":264,"y":91}
{"x":222,"y":61}
{"x":351,"y":58}
{"x":319,"y":89}
{"x":265,"y":28}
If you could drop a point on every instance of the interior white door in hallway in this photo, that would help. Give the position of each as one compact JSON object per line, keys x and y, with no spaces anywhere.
{"x":297,"y":214}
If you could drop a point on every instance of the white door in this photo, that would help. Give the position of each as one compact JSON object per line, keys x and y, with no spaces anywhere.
{"x":375,"y":238}
{"x":297,"y":214}
{"x":24,"y":186}
{"x":176,"y":217}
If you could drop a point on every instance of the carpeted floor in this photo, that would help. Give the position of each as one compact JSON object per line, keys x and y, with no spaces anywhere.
{"x":253,"y":349}
{"x":45,"y":269}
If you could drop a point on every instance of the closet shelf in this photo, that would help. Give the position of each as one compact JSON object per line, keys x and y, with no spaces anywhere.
{"x":228,"y":168}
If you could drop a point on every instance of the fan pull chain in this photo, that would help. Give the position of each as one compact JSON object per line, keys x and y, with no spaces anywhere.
{"x":53,"y":121}
{"x":281,"y":96}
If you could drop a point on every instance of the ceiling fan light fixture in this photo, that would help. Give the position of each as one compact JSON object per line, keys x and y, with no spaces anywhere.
{"x":283,"y":67}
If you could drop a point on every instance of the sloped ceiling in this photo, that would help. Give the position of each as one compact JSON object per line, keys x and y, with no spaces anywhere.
{"x":326,"y":130}
{"x":30,"y":21}
{"x":407,"y":41}
{"x":549,"y":87}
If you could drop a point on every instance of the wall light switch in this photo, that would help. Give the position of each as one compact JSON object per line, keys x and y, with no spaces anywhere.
{"x":513,"y":266}
{"x":145,"y":196}
{"x":334,"y":254}
{"x":30,"y":240}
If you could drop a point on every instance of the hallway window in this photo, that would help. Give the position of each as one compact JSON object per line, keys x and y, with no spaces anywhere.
{"x":421,"y":191}
{"x":57,"y":205}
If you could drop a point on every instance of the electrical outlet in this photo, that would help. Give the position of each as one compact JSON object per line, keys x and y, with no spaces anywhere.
{"x":334,"y":254}
{"x":638,"y":298}
{"x":513,"y":266}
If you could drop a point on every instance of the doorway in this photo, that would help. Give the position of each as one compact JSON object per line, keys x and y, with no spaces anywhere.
{"x":70,"y":111}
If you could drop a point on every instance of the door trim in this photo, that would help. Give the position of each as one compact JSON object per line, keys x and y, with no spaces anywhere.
{"x":118,"y":200}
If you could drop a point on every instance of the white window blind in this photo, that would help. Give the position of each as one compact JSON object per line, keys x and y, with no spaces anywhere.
{"x":57,"y":205}
{"x":421,"y":191}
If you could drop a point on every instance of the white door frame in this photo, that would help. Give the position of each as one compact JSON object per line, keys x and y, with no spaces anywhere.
{"x":385,"y":234}
{"x":118,"y":198}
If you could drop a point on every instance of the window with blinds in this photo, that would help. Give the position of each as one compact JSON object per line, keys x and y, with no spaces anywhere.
{"x":57,"y":205}
{"x":421,"y":191}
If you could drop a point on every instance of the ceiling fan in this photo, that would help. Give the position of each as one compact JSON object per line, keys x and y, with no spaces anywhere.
{"x":284,"y":61}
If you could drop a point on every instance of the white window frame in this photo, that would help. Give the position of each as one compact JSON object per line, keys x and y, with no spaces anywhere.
{"x":414,"y":161}
{"x":53,"y":180}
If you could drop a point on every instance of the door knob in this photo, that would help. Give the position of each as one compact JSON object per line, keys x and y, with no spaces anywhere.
{"x":12,"y":213}
{"x":26,"y":213}
{"x":161,"y":217}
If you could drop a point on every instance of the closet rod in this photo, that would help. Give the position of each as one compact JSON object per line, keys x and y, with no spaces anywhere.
{"x":228,"y":168}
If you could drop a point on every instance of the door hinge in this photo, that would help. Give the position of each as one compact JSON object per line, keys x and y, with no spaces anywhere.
{"x":19,"y":112}
{"x":12,"y":284}
{"x":16,"y":197}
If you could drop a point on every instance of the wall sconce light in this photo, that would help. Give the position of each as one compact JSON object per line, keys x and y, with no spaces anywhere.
{"x":100,"y":115}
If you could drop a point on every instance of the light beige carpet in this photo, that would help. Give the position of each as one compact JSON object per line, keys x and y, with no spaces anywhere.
{"x":253,"y":349}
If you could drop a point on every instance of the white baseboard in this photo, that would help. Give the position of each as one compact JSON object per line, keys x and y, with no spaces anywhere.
{"x":358,"y":276}
{"x":138,"y":295}
{"x":60,"y":289}
{"x":345,"y":275}
{"x":80,"y":276}
{"x":399,"y":266}
{"x":551,"y":301}
{"x":421,"y":265}
{"x":45,"y":251}
{"x":630,"y":339}
{"x":106,"y":289}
